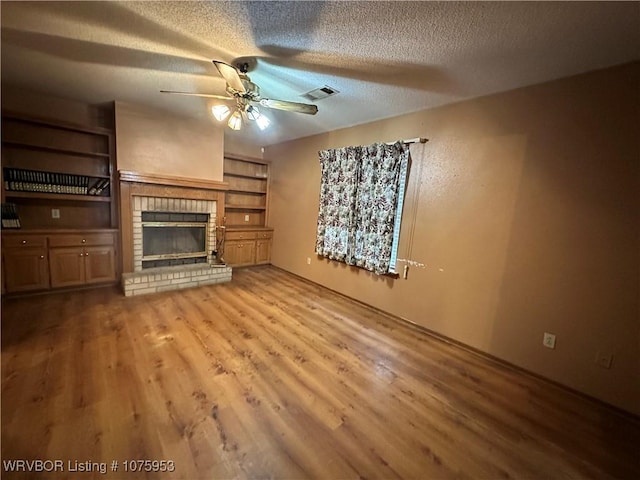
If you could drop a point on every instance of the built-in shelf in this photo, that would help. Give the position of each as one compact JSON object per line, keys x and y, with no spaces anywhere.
{"x":50,"y":168}
{"x":243,"y":175}
{"x":247,"y":194}
{"x":244,"y":207}
{"x":58,"y":196}
{"x":45,"y":148}
{"x":248,"y":239}
{"x":247,"y":190}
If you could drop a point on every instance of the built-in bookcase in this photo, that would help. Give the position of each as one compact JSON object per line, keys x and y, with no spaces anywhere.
{"x":248,"y":238}
{"x":59,"y":205}
{"x":58,"y":174}
{"x":247,"y":198}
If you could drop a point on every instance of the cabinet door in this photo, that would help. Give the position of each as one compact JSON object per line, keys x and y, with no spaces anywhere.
{"x":100,"y":265}
{"x":263,"y":251}
{"x":25,"y":269}
{"x":67,"y":266}
{"x":239,"y":252}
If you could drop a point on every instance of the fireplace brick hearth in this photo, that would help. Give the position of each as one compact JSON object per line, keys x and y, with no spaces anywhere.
{"x":155,"y":280}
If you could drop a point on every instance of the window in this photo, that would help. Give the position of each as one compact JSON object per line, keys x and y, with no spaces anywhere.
{"x":360,"y":208}
{"x":404,"y":170}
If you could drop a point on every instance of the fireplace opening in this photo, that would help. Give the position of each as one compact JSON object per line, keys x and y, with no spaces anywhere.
{"x":173,"y":238}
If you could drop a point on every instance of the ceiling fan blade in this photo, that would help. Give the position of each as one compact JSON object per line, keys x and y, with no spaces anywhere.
{"x":289,"y":106}
{"x":206,"y":95}
{"x":231,"y":75}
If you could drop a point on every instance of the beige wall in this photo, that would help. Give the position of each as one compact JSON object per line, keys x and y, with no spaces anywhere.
{"x":153,"y":141}
{"x":526,"y":221}
{"x":235,"y":146}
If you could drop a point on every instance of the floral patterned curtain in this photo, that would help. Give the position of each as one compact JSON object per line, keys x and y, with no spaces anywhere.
{"x":358,"y":200}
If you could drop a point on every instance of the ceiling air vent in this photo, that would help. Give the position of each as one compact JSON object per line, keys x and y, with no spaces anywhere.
{"x":320,"y":93}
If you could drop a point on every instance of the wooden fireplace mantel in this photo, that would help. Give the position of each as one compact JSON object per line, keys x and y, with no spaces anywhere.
{"x":155,"y":179}
{"x":164,"y":186}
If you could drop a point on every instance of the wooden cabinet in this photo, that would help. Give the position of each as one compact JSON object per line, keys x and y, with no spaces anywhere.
{"x":67,"y":266}
{"x":100,"y":264}
{"x":248,"y":247}
{"x":57,"y":174}
{"x":58,"y":259}
{"x":240,"y":248}
{"x":248,"y":239}
{"x":82,"y":265}
{"x":240,"y":253}
{"x":25,"y":263}
{"x":77,"y":259}
{"x":263,"y":247}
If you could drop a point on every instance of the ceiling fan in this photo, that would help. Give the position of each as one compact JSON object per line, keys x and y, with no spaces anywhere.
{"x":246,"y":95}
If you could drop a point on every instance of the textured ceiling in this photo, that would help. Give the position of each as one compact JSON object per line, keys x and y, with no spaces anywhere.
{"x":385,"y":58}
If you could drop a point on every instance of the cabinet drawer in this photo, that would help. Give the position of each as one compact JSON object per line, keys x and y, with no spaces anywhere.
{"x":240,"y":236}
{"x":12,"y":241}
{"x":265,"y":235}
{"x":78,"y":239}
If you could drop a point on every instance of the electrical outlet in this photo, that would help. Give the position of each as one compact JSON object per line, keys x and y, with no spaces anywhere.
{"x":246,"y":218}
{"x":308,"y":260}
{"x":55,"y":213}
{"x":549,"y":340}
{"x":604,"y":359}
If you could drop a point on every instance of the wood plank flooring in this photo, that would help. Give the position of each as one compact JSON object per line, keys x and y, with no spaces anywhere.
{"x":270,"y":376}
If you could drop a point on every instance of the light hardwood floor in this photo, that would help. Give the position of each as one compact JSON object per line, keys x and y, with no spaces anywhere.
{"x":270,"y":376}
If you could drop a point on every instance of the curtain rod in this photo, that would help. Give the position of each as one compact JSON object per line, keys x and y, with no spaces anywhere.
{"x":411,"y":140}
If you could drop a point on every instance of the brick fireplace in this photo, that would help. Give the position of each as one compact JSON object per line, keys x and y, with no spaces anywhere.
{"x":164,"y":205}
{"x":152,"y":203}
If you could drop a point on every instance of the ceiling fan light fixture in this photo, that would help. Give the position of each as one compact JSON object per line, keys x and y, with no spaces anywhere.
{"x":241,"y":89}
{"x":220,"y":112}
{"x":253,"y":113}
{"x":262,"y":122}
{"x":235,"y":121}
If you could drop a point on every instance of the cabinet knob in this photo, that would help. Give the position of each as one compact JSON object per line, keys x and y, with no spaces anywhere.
{"x":82,"y":254}
{"x":86,"y":254}
{"x":84,"y":241}
{"x":41,"y":257}
{"x":24,"y":242}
